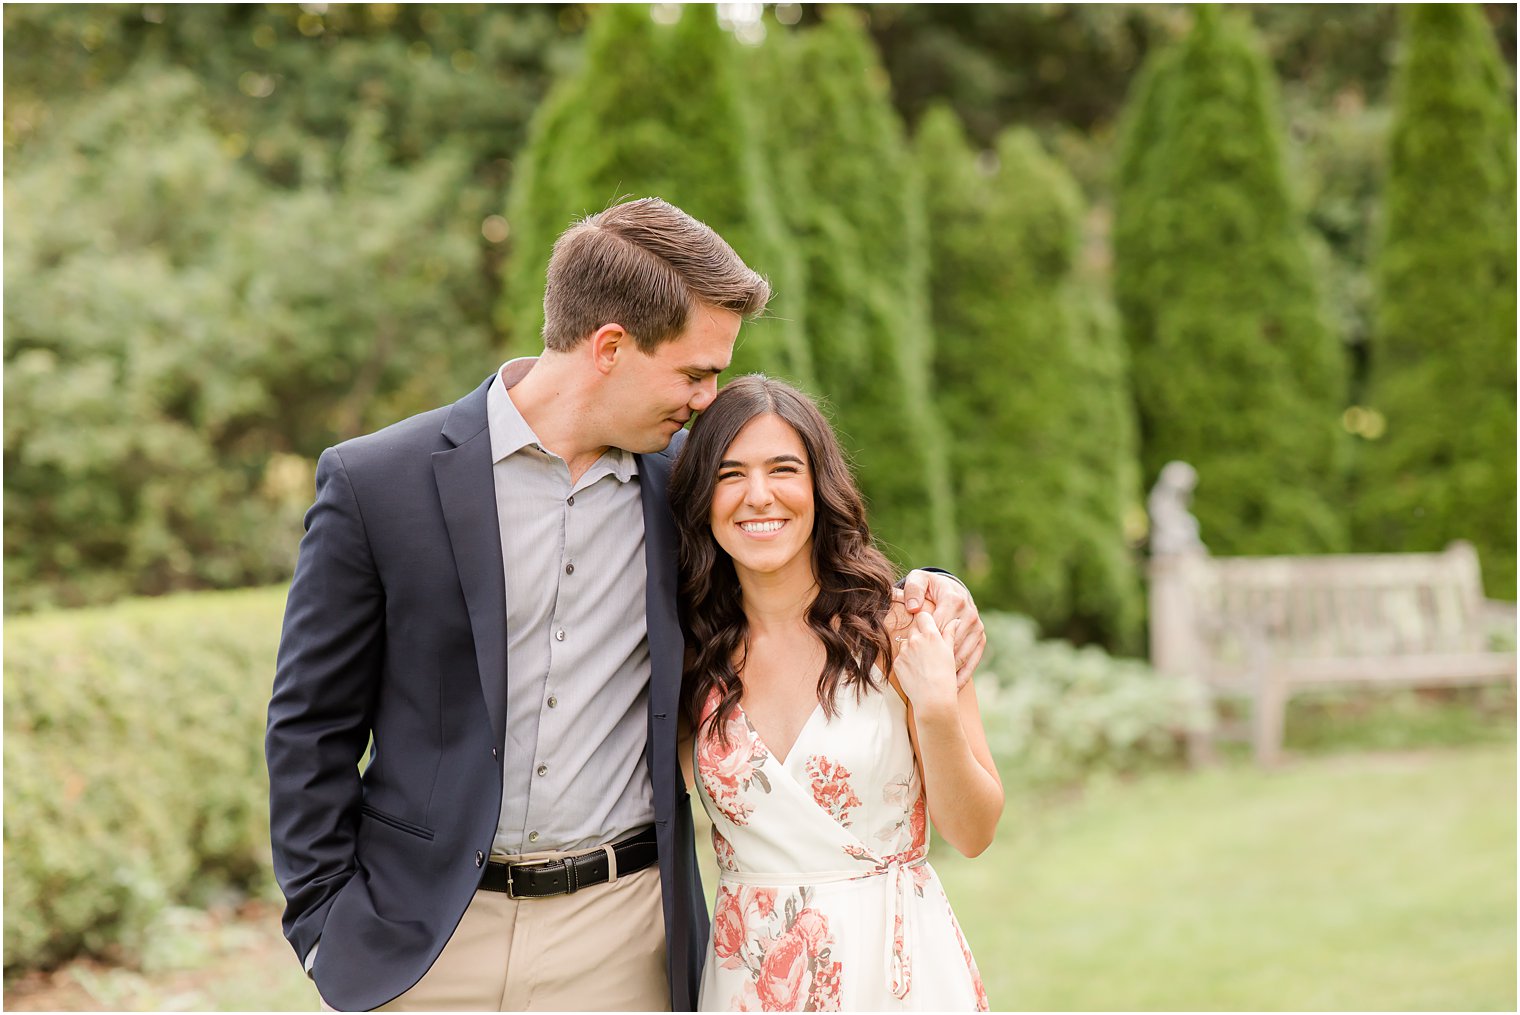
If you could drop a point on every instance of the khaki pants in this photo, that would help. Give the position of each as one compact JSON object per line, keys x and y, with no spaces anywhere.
{"x":600,"y":949}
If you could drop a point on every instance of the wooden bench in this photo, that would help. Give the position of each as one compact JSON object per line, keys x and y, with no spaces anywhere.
{"x":1265,"y":628}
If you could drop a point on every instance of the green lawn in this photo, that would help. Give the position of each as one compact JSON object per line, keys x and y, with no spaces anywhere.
{"x":1355,"y":881}
{"x":1367,"y":880}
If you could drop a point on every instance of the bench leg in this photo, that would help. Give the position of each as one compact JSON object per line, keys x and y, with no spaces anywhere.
{"x":1267,"y":719}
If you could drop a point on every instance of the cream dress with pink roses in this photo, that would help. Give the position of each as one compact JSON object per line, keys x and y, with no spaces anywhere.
{"x":827,"y":901}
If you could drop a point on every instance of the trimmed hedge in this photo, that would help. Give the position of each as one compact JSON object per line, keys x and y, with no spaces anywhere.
{"x":1235,"y":368}
{"x":1443,"y":348}
{"x":1033,"y":383}
{"x":134,"y":767}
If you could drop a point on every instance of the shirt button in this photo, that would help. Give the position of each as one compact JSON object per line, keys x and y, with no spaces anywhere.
{"x":493,"y":752}
{"x":532,"y":836}
{"x":559,"y":635}
{"x":569,"y":569}
{"x":543,"y":769}
{"x":480,"y":858}
{"x":553,"y":701}
{"x":570,"y":500}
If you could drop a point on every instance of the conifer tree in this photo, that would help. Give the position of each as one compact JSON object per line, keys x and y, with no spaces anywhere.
{"x":1443,"y":353}
{"x":1030,"y":369}
{"x":653,"y":110}
{"x":850,"y":197}
{"x":1235,"y":369}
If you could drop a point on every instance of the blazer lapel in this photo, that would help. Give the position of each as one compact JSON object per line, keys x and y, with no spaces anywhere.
{"x":467,"y":491}
{"x":665,"y":642}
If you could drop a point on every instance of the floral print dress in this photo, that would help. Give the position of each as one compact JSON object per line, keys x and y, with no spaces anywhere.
{"x":826,"y":900}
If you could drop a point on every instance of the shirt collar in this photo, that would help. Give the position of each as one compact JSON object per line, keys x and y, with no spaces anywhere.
{"x":510,"y":433}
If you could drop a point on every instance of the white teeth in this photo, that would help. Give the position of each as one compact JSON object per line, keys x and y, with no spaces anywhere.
{"x":759,"y":527}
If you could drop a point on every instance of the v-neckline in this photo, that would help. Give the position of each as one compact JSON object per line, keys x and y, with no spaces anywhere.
{"x":791,"y":748}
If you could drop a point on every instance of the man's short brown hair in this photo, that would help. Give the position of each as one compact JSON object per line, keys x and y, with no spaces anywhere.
{"x":644,"y":265}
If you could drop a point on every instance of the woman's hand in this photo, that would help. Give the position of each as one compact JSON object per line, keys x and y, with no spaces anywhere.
{"x":949,"y":601}
{"x":960,"y":779}
{"x":925,"y":665}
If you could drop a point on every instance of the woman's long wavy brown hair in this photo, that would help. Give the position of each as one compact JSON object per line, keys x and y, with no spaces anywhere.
{"x":854,"y":578}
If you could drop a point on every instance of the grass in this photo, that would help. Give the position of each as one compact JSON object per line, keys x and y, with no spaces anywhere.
{"x":1392,"y":719}
{"x":1352,"y":881}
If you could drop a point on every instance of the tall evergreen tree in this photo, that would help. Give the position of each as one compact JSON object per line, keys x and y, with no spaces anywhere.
{"x":1235,"y":369}
{"x":1443,"y":355}
{"x":1033,"y":388}
{"x":654,"y":110}
{"x":851,"y":200}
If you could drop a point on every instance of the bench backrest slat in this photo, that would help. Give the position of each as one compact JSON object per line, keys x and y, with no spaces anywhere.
{"x":1349,"y":606}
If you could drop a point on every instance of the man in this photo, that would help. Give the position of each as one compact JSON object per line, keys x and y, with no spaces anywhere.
{"x":487,"y":593}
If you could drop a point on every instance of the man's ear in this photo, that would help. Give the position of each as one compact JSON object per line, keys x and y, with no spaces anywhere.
{"x":608,"y":343}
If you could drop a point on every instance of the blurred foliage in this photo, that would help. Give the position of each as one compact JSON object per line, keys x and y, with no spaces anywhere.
{"x":134,"y":767}
{"x":236,"y":235}
{"x":1034,"y":386}
{"x":1046,"y":65}
{"x":240,"y":233}
{"x":289,"y":77}
{"x":998,"y":64}
{"x":1443,"y":366}
{"x":182,"y":338}
{"x":1065,"y":70}
{"x":585,"y":153}
{"x":1235,"y":368}
{"x":849,"y":197}
{"x":1056,"y":714}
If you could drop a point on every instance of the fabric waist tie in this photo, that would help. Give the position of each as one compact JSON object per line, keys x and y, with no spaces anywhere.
{"x":900,"y":867}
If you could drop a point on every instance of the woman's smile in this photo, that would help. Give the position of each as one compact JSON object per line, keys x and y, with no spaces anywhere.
{"x":762,"y":528}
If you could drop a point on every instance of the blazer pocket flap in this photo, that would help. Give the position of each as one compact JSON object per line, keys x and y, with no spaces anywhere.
{"x":400,"y":824}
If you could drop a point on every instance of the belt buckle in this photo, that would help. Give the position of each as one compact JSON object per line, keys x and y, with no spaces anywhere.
{"x":523,"y":863}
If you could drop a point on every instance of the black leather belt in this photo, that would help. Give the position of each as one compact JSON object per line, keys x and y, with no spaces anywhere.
{"x":538,"y":879}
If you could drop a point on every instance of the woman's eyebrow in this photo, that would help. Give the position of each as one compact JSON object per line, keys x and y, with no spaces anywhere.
{"x":729,"y":463}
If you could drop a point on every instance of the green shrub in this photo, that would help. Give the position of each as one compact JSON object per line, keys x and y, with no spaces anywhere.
{"x":134,"y":766}
{"x":624,"y":123}
{"x":235,"y":235}
{"x":1033,"y":385}
{"x":1443,"y":348}
{"x":1235,"y":368}
{"x":182,"y":340}
{"x":851,"y":200}
{"x":1058,"y":713}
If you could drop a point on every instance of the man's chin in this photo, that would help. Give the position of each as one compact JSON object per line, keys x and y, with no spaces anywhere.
{"x":652,"y":444}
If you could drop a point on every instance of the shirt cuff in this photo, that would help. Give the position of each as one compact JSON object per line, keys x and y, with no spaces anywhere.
{"x":311,"y":957}
{"x":937,"y":570}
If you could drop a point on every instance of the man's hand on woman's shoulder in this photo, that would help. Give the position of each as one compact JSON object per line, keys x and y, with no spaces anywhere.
{"x":947,"y":600}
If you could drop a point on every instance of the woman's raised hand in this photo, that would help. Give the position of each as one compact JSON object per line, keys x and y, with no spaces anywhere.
{"x":925,"y":664}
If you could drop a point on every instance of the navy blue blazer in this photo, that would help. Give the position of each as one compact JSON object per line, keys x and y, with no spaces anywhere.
{"x":395,"y":636}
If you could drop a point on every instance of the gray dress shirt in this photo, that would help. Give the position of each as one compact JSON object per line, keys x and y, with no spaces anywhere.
{"x":575,"y":774}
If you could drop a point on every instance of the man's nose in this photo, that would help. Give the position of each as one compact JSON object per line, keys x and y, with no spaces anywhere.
{"x":706,"y":392}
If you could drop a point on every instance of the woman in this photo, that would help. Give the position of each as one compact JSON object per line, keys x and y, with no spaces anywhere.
{"x":819,"y":773}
